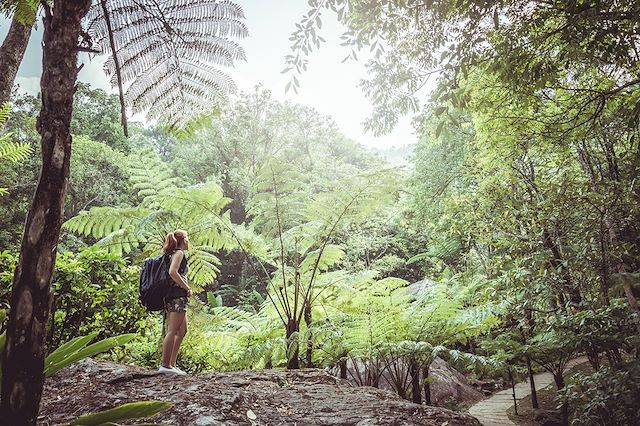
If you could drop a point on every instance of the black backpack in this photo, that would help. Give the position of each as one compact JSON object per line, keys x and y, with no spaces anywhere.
{"x":155,"y":282}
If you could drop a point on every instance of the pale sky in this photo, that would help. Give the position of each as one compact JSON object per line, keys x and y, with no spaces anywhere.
{"x":329,"y":86}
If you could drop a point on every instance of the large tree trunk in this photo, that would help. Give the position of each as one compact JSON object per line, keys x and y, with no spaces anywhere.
{"x":11,"y":54}
{"x":23,"y":358}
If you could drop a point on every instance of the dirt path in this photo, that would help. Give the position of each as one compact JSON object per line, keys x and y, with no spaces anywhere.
{"x":493,"y":411}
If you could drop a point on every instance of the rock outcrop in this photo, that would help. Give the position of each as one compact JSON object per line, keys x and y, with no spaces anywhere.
{"x":267,"y":397}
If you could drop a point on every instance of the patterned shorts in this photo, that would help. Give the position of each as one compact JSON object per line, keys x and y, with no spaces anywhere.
{"x":178,"y":304}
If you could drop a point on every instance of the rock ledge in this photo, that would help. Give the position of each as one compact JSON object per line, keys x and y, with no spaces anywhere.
{"x":304,"y":397}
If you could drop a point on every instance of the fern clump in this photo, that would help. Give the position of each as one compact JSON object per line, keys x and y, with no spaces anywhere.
{"x":163,"y":208}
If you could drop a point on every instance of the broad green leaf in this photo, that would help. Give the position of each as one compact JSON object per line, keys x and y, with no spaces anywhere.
{"x":67,"y":349}
{"x":91,"y":350}
{"x":132,"y":410}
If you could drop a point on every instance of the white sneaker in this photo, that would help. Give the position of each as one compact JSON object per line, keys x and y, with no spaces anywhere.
{"x":165,"y":370}
{"x":179,"y":372}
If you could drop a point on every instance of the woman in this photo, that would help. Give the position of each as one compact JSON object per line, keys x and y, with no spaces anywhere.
{"x":176,"y":300}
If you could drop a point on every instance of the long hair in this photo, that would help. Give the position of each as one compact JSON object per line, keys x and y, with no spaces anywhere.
{"x":173,"y":240}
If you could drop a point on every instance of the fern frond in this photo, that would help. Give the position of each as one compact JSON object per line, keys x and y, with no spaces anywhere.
{"x":169,"y":51}
{"x":5,"y":111}
{"x":237,"y":319}
{"x":23,"y":10}
{"x":364,"y":333}
{"x":13,"y":151}
{"x":102,"y":221}
{"x":331,"y":255}
{"x":151,"y":177}
{"x":203,"y":267}
{"x":121,"y":241}
{"x":9,"y":150}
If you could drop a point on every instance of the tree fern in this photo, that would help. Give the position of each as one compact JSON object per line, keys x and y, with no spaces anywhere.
{"x":324,"y":259}
{"x":150,"y":176}
{"x":169,"y":52}
{"x":237,"y":319}
{"x":439,"y":250}
{"x":11,"y":151}
{"x":197,"y":209}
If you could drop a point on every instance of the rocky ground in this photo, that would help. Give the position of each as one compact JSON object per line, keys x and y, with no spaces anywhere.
{"x":273,"y":397}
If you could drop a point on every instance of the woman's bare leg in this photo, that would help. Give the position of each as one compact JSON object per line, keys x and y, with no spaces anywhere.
{"x":174,"y":322}
{"x":182,"y":331}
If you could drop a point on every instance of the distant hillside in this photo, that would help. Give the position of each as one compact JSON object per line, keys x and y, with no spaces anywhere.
{"x":397,"y":156}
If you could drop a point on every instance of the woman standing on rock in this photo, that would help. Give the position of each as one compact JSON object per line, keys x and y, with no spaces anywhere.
{"x":176,"y":300}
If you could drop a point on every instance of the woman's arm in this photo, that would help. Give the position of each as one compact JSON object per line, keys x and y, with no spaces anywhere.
{"x":176,"y":259}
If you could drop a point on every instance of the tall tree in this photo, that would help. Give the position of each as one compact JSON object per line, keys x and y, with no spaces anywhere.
{"x":184,"y":73}
{"x":23,"y":358}
{"x":16,"y":41}
{"x":529,"y":44}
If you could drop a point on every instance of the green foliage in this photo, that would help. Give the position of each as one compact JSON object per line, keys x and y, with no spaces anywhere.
{"x":23,"y":10}
{"x":99,"y":166}
{"x":96,"y":115}
{"x":519,"y":220}
{"x":603,"y":330}
{"x":131,"y":410}
{"x":99,"y":176}
{"x":608,"y":396}
{"x":164,"y":207}
{"x":8,"y":263}
{"x":537,"y":48}
{"x":12,"y":152}
{"x":214,"y":301}
{"x":77,"y":349}
{"x":93,"y":292}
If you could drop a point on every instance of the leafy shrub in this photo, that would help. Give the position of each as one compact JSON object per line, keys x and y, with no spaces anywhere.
{"x":94,"y":291}
{"x":146,"y":350}
{"x":7,"y":265}
{"x":607,"y":397}
{"x":202,"y":349}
